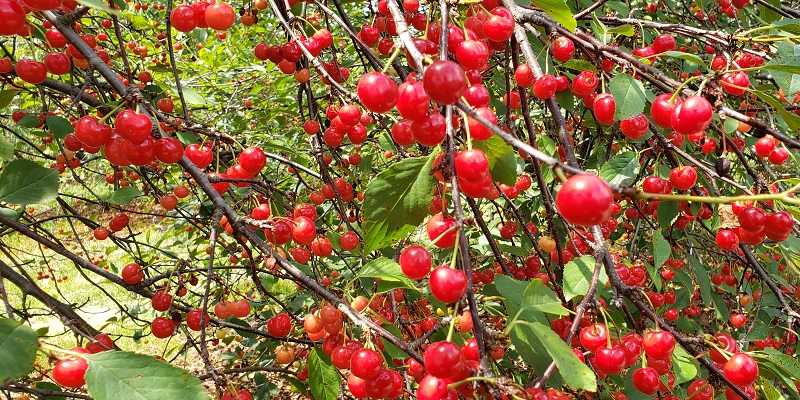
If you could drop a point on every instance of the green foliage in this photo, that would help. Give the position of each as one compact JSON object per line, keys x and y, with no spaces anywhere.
{"x":629,"y":96}
{"x":397,"y":200}
{"x":18,"y":344}
{"x":139,"y":377}
{"x":323,"y":378}
{"x":26,"y":182}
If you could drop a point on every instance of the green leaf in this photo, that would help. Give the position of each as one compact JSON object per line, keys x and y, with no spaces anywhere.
{"x":6,"y":96}
{"x":769,"y":391}
{"x":18,"y":345}
{"x":625,"y":30}
{"x":6,"y":149}
{"x":785,"y":68}
{"x":788,"y":249}
{"x":661,"y":249}
{"x":791,"y":25}
{"x":621,"y":169}
{"x":693,"y":58}
{"x":191,"y":96}
{"x":628,"y":94}
{"x":26,"y":182}
{"x":686,"y":366}
{"x":386,"y":270}
{"x":139,"y":377}
{"x":124,"y":195}
{"x":578,"y":275}
{"x":502,"y":159}
{"x":701,"y":279}
{"x":730,"y":125}
{"x":397,"y":200}
{"x":29,"y":121}
{"x":60,"y":126}
{"x":559,"y":11}
{"x":323,"y":379}
{"x":667,"y":213}
{"x":792,"y":120}
{"x":539,"y":297}
{"x":575,"y":373}
{"x":580,"y":65}
{"x":98,"y":4}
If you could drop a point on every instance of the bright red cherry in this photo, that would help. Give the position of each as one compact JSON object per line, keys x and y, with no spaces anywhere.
{"x":220,"y":16}
{"x":610,"y":360}
{"x":252,"y":159}
{"x":201,"y":156}
{"x":658,"y":344}
{"x":741,"y":369}
{"x":604,"y":108}
{"x":448,"y":285}
{"x":634,"y":127}
{"x":183,"y":18}
{"x":472,"y":54}
{"x":727,"y":240}
{"x":169,"y":150}
{"x":280,"y":325}
{"x":366,"y":363}
{"x":30,"y":71}
{"x":692,"y":115}
{"x":104,"y":343}
{"x":645,"y":380}
{"x":700,"y":389}
{"x":444,"y":359}
{"x":594,"y":336}
{"x":661,"y":110}
{"x":12,"y":17}
{"x":134,"y":127}
{"x":415,"y":261}
{"x":683,"y":178}
{"x":585,"y":200}
{"x":377,"y":92}
{"x":663,"y":42}
{"x":71,"y":370}
{"x":241,"y":394}
{"x":585,"y":83}
{"x":752,"y":219}
{"x":563,"y":49}
{"x":545,"y":87}
{"x":162,"y":327}
{"x":442,"y":230}
{"x":444,"y":82}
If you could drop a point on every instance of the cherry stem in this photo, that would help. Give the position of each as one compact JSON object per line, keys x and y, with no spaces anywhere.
{"x":51,"y":348}
{"x":454,"y":385}
{"x":389,"y":62}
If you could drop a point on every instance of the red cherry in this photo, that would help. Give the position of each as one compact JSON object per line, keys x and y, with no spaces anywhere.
{"x":779,"y":224}
{"x":735,"y":83}
{"x":737,"y":320}
{"x":161,"y":301}
{"x":219,"y":16}
{"x":692,"y":115}
{"x":132,"y":274}
{"x":634,"y":127}
{"x":241,"y":394}
{"x":524,"y":76}
{"x":169,"y":150}
{"x":71,"y":370}
{"x":199,"y":156}
{"x":92,"y":133}
{"x":415,"y":261}
{"x":439,"y":225}
{"x":448,"y":285}
{"x":29,"y":70}
{"x":472,"y":54}
{"x":663,"y":42}
{"x":444,"y":82}
{"x":610,"y":360}
{"x":500,"y":26}
{"x":661,"y":110}
{"x":134,"y":127}
{"x":252,"y":159}
{"x":444,"y":359}
{"x":741,"y":369}
{"x":193,"y":320}
{"x":412,"y":102}
{"x":377,"y":92}
{"x":563,"y":49}
{"x":545,"y":87}
{"x":585,"y":83}
{"x":477,"y":130}
{"x":57,"y":63}
{"x":752,"y":219}
{"x":432,"y":388}
{"x":683,"y":178}
{"x":379,"y":386}
{"x":585,"y":200}
{"x":366,"y":363}
{"x":104,"y":343}
{"x":183,"y":18}
{"x":280,"y":325}
{"x":646,"y":380}
{"x":658,"y":344}
{"x":594,"y":336}
{"x":304,"y":230}
{"x":12,"y":17}
{"x":140,"y":154}
{"x":765,"y":146}
{"x":604,"y":108}
{"x":162,"y":327}
{"x":700,"y":389}
{"x":477,"y":96}
{"x":779,"y":156}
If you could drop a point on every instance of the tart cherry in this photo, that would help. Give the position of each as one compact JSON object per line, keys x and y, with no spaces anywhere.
{"x":448,"y":285}
{"x":415,"y":261}
{"x":585,"y":200}
{"x":71,"y":370}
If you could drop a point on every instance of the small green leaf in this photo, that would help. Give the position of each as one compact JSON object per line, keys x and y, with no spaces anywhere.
{"x":575,"y":373}
{"x":139,"y":377}
{"x":686,"y":366}
{"x":792,"y":120}
{"x":578,"y":275}
{"x":6,"y":96}
{"x":621,"y":169}
{"x":60,"y":126}
{"x":323,"y":379}
{"x":397,"y":200}
{"x":625,"y":30}
{"x":541,"y":298}
{"x":18,"y":345}
{"x":667,"y":213}
{"x":6,"y":149}
{"x":693,"y":58}
{"x":629,"y":96}
{"x":502,"y":159}
{"x":580,"y":65}
{"x":559,"y":11}
{"x":661,"y":249}
{"x":386,"y":270}
{"x":124,"y":195}
{"x":26,"y":182}
{"x":29,"y":121}
{"x":98,"y":4}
